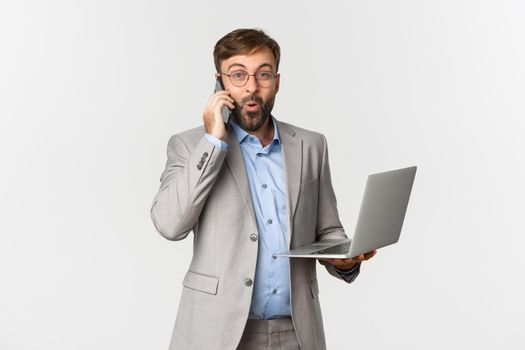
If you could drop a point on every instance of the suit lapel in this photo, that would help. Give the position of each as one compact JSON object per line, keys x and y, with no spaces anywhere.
{"x":292,"y":149}
{"x":235,"y":161}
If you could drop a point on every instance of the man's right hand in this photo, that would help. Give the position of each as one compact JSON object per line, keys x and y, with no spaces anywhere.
{"x":212,"y":117}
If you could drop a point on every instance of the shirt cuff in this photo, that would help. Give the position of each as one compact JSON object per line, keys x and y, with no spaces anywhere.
{"x":220,"y":144}
{"x":348,"y":272}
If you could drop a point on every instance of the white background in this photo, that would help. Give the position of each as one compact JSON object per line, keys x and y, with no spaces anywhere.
{"x":91,"y":91}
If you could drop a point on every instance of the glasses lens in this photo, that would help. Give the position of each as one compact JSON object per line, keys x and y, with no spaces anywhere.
{"x":264,"y":78}
{"x":239,"y":77}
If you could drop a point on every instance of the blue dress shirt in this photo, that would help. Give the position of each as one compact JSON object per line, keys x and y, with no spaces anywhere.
{"x":266,"y":176}
{"x":265,"y":170}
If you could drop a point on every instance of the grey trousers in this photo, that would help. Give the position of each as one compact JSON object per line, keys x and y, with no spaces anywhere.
{"x":277,"y":334}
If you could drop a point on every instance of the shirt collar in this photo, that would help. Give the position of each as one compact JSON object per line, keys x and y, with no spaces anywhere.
{"x":242,"y":134}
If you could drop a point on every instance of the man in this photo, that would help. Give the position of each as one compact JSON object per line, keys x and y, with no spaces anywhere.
{"x":248,"y":190}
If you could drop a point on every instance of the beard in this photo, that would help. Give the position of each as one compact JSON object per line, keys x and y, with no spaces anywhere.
{"x":252,"y":120}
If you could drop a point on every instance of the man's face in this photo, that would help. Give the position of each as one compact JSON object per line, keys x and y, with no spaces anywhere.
{"x":253,"y":103}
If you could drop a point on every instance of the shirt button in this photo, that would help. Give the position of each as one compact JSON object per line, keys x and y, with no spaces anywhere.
{"x":251,"y":138}
{"x":248,"y":282}
{"x":270,"y":221}
{"x":259,"y":154}
{"x":264,"y":185}
{"x":274,"y":291}
{"x":253,"y":237}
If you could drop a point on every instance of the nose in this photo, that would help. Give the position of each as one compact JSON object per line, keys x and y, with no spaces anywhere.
{"x":251,"y":85}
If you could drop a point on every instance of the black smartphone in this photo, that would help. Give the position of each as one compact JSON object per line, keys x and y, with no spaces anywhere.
{"x":225,"y":110}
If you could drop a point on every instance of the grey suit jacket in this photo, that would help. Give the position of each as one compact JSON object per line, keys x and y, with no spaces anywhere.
{"x":205,"y":190}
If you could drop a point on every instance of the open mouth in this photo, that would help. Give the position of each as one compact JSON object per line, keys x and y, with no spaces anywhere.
{"x":251,"y":105}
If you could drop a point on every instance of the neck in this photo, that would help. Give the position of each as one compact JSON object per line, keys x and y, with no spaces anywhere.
{"x":265,"y":132}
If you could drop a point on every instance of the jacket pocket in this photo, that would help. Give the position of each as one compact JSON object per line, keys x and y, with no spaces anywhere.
{"x":200,"y":282}
{"x":314,"y":288}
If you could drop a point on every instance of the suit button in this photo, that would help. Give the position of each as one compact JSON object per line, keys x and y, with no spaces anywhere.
{"x":203,"y":159}
{"x":205,"y":154}
{"x":248,"y":281}
{"x":199,"y":166}
{"x":253,"y":237}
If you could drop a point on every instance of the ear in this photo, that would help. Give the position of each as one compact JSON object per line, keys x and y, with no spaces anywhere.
{"x":277,"y":82}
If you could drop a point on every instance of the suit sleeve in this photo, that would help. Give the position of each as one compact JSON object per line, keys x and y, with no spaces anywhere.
{"x":328,"y":223}
{"x":186,"y":181}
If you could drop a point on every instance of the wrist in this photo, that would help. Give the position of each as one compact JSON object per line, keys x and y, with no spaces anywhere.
{"x":220,"y":134}
{"x":347,"y":268}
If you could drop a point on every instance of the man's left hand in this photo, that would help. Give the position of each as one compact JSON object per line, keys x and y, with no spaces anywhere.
{"x":347,"y":264}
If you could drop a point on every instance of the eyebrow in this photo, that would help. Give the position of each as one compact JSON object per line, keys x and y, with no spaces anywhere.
{"x":242,"y":65}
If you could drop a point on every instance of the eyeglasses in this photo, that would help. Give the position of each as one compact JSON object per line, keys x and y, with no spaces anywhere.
{"x":239,"y":78}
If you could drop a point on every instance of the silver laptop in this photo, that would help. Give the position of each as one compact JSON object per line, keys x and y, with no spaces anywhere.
{"x":380,"y":219}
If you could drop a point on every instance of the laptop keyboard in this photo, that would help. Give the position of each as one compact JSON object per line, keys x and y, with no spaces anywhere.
{"x":338,"y":249}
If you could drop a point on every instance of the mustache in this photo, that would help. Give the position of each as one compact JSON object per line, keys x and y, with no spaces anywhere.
{"x":251,"y":98}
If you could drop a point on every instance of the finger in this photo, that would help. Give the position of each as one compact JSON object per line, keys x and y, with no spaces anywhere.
{"x":225,"y":98}
{"x":219,"y":102}
{"x":348,"y":261}
{"x":218,"y":95}
{"x":370,"y":254}
{"x":222,"y":103}
{"x":221,"y":92}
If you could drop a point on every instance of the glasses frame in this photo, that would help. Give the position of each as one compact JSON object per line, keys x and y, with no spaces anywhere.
{"x":250,"y":75}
